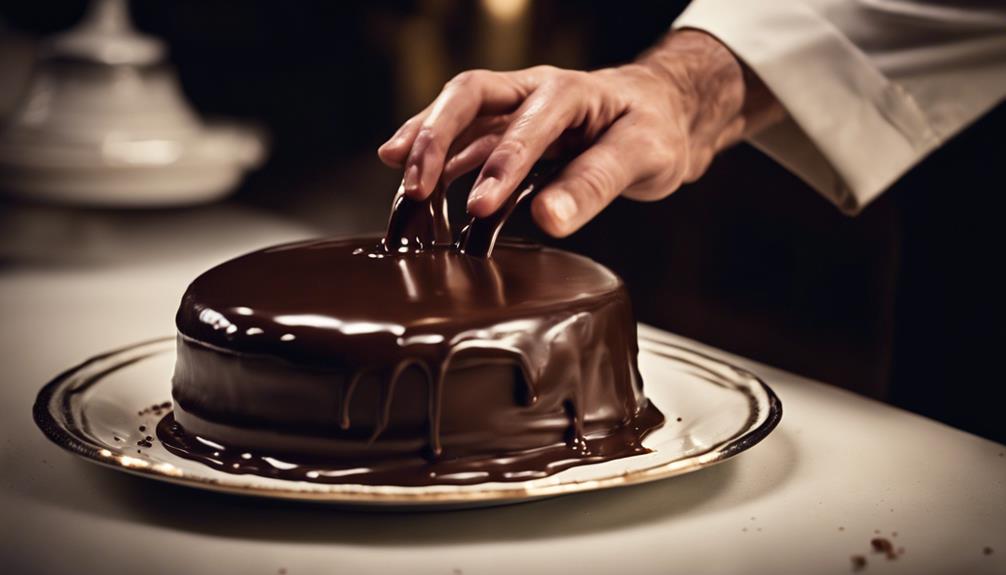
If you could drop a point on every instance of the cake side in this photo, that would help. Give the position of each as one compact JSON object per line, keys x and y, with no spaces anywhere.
{"x":572,"y":376}
{"x":532,"y":351}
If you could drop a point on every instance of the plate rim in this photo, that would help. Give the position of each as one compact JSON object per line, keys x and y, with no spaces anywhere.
{"x":42,"y":412}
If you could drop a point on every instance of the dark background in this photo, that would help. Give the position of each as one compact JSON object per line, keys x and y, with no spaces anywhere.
{"x":901,"y":303}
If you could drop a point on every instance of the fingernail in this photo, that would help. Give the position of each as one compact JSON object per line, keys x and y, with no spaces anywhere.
{"x":562,"y":206}
{"x":480,"y":191}
{"x":411,"y":181}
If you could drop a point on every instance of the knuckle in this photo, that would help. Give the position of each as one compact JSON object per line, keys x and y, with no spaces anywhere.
{"x":409,"y":124}
{"x":658,"y":163}
{"x":467,"y":78}
{"x":424,"y":138}
{"x":652,"y":142}
{"x":595,"y":184}
{"x":661,"y":162}
{"x":671,"y":178}
{"x":427,"y":141}
{"x":485,"y":145}
{"x":463,"y":79}
{"x":508,"y":153}
{"x":562,"y":80}
{"x":659,"y":186}
{"x":576,"y":77}
{"x":546,"y":69}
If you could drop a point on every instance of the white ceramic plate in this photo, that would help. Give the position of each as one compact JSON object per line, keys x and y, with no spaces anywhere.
{"x":94,"y":410}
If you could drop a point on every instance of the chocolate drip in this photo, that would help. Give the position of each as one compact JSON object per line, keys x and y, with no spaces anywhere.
{"x":417,"y":225}
{"x":478,"y":237}
{"x":346,"y":397}
{"x":408,"y":470}
{"x":326,"y":349}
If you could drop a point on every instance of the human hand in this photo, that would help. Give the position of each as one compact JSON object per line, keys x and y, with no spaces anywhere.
{"x":639,"y":130}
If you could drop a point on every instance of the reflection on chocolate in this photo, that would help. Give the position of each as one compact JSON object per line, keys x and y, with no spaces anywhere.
{"x":479,"y":236}
{"x":414,"y":226}
{"x":404,"y":361}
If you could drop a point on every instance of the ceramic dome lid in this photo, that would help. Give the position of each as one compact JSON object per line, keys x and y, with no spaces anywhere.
{"x":106,"y":36}
{"x":104,"y":121}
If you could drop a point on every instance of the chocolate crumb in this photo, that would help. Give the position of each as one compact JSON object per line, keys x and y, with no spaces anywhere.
{"x":894,"y":533}
{"x":841,"y":528}
{"x":143,"y":428}
{"x":881,"y":545}
{"x":116,"y":438}
{"x":988,"y":550}
{"x":1000,"y":455}
{"x":858,"y":562}
{"x":149,"y":438}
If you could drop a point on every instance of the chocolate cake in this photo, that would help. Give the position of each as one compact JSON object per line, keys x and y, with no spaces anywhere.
{"x":407,"y":361}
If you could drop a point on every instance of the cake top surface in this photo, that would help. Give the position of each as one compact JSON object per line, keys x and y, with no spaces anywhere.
{"x":300,"y":296}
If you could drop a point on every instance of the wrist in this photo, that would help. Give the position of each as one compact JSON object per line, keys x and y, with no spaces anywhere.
{"x":708,"y":81}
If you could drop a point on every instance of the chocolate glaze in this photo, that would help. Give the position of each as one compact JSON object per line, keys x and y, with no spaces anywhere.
{"x":479,"y":236}
{"x":405,"y":361}
{"x":413,"y":470}
{"x":417,"y":225}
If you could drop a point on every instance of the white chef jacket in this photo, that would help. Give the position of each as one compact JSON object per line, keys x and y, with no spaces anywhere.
{"x":870,"y":86}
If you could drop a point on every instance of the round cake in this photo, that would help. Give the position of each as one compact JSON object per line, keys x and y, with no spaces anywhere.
{"x":331,"y":360}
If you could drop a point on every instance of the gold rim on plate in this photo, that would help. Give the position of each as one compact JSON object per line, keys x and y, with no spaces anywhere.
{"x":58,"y":413}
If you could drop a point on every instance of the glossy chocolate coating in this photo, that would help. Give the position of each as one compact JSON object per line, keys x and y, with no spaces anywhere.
{"x":407,"y":359}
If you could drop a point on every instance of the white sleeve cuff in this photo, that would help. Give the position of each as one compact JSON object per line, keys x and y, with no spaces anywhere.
{"x":851,"y":132}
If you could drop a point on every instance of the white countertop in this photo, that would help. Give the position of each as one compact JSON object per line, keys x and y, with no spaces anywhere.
{"x":805,"y":500}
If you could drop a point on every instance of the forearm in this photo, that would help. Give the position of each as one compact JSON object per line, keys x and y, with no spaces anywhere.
{"x":869,"y":88}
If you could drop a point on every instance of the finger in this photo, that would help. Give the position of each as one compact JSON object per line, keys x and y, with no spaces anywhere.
{"x":396,"y":149}
{"x":537,"y":124}
{"x":471,"y":157}
{"x":589,"y":183}
{"x":481,"y":126}
{"x":483,"y":132}
{"x":394,"y":152}
{"x":463,"y":98}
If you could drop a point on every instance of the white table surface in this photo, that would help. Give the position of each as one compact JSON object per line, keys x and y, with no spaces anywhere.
{"x":810,"y":496}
